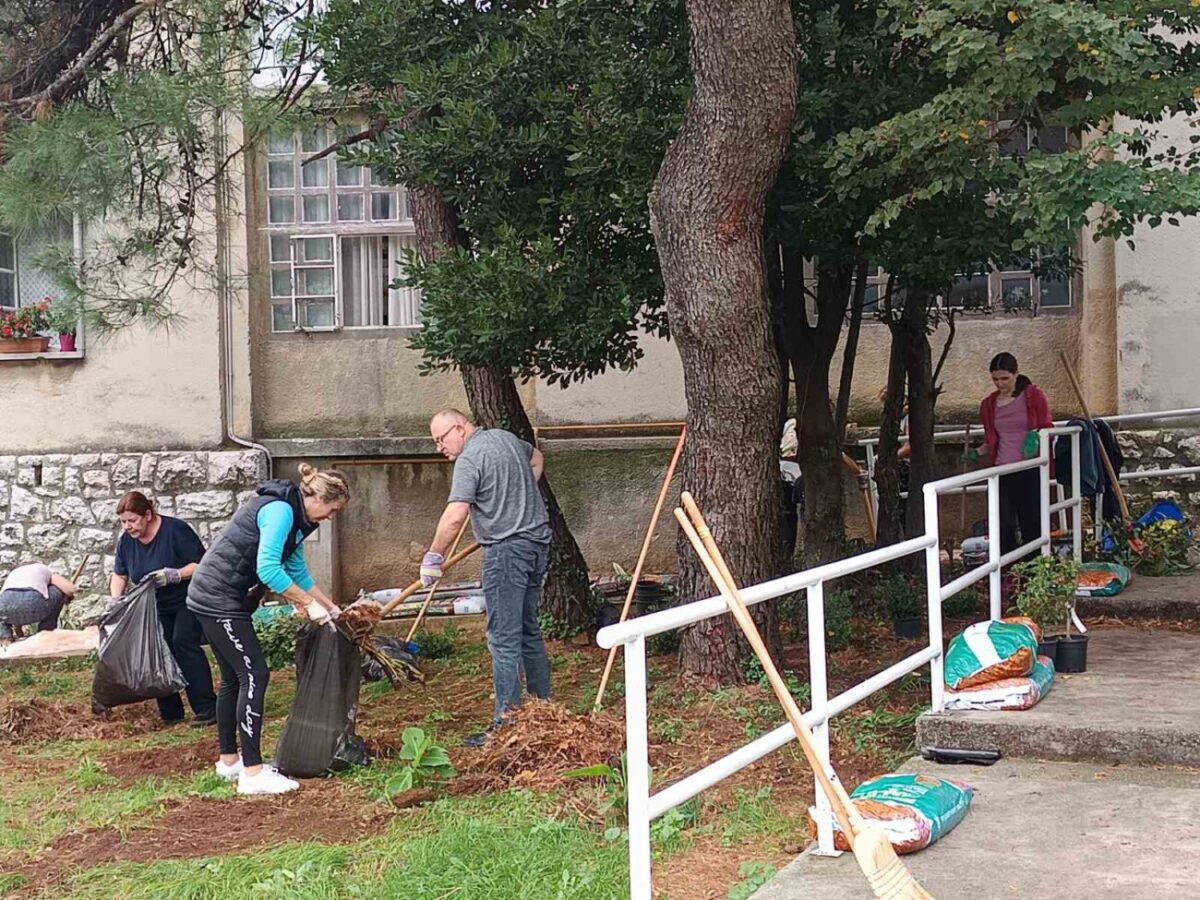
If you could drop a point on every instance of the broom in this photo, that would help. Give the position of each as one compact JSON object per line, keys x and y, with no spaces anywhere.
{"x":888,"y":877}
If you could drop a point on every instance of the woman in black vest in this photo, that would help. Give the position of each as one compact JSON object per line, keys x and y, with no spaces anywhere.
{"x":259,"y":549}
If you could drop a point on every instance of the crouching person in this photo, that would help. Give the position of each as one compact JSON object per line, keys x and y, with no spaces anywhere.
{"x":261,"y":547}
{"x":32,"y":595}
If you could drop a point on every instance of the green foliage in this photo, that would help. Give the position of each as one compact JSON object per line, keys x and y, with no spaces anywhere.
{"x":556,"y":629}
{"x":422,"y":761}
{"x":839,"y":610}
{"x":667,"y":830}
{"x":63,"y":316}
{"x":962,"y":605}
{"x":91,"y":774}
{"x":664,"y":643}
{"x":615,"y":785}
{"x":544,"y":128}
{"x":278,"y":639}
{"x":438,"y":644}
{"x":754,"y":874}
{"x":1046,"y":589}
{"x":668,"y":730}
{"x":1160,"y":548}
{"x":901,"y":598}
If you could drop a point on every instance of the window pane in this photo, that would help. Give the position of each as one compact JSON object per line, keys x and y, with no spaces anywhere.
{"x":314,"y":282}
{"x":871,"y":299}
{"x":281,"y":210}
{"x":1016,"y":293}
{"x":281,"y":248}
{"x":970,"y":293}
{"x":8,"y":289}
{"x":1055,"y":292}
{"x":1051,"y":138}
{"x":316,"y":208}
{"x":7,"y":254}
{"x":315,"y":174}
{"x":280,"y":174}
{"x":380,"y":178}
{"x":314,"y":250}
{"x":281,"y":282}
{"x":350,"y":207}
{"x":281,"y":143}
{"x":314,"y":140}
{"x":348,"y":175}
{"x":383,"y":207}
{"x":1016,"y":142}
{"x":316,"y":313}
{"x":281,"y":317}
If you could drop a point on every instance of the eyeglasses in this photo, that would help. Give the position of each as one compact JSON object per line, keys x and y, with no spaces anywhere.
{"x":440,"y":440}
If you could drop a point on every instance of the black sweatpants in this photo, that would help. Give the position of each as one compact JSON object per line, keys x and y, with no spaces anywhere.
{"x":182,"y":633}
{"x":1020,"y":508}
{"x":244,"y":678}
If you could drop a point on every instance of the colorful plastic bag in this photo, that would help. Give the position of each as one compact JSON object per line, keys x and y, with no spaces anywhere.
{"x":989,"y":651}
{"x":1119,"y":579}
{"x":912,"y":810}
{"x":1007,"y":693}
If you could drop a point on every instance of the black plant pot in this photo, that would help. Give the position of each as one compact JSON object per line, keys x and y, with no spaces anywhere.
{"x":1049,"y":647}
{"x":907,"y":627}
{"x":646,"y":597}
{"x":1072,"y":654}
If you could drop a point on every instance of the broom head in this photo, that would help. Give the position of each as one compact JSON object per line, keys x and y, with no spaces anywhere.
{"x":888,"y":876}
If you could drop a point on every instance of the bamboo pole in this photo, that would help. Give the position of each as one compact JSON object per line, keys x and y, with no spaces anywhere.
{"x":637,"y":570}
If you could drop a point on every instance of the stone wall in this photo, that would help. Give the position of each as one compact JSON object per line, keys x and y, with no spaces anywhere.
{"x":54,"y":508}
{"x":1161,"y":449}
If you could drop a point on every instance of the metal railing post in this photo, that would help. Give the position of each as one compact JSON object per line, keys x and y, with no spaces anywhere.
{"x":637,"y":762}
{"x":993,"y":502}
{"x":819,"y":688}
{"x":1077,"y":496}
{"x":933,"y":590}
{"x":1044,"y":482}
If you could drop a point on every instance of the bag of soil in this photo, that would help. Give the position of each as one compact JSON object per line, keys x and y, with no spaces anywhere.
{"x":318,"y":736}
{"x":134,"y":662}
{"x":392,"y":647}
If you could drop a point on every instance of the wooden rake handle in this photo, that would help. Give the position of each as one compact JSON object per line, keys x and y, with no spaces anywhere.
{"x":637,"y":570}
{"x":1108,"y":466}
{"x":416,"y":585}
{"x":433,"y":587}
{"x":702,"y":541}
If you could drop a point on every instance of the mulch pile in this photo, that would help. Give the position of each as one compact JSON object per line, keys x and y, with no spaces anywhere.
{"x":49,"y":720}
{"x":542,"y":742}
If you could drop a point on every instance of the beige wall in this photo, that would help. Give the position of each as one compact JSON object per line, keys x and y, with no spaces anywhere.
{"x":135,"y":391}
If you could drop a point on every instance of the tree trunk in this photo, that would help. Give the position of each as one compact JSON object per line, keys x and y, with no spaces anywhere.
{"x":850,"y":354}
{"x":495,"y":403}
{"x":707,"y":210}
{"x":890,"y":520}
{"x":920,"y":407}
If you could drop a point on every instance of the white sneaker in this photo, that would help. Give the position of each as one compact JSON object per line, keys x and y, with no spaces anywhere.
{"x":229,"y":773}
{"x":268,"y":781}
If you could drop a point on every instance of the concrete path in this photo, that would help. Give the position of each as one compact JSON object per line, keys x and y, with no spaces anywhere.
{"x":1172,"y":597}
{"x":1050,"y":831}
{"x":1139,"y":702}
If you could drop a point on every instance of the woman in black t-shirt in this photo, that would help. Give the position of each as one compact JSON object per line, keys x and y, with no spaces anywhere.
{"x":167,"y":549}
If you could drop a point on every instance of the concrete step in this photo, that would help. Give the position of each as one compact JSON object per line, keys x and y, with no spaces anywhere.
{"x":1135,"y":704}
{"x":1171,"y":597}
{"x":1051,"y":831}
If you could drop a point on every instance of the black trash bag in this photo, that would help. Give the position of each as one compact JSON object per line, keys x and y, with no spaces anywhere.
{"x":393,"y":647}
{"x":134,"y":663}
{"x":318,"y":736}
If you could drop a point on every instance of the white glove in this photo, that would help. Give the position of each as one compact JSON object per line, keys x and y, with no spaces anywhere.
{"x":319,"y":614}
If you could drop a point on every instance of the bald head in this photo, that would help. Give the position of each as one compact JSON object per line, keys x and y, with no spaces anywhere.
{"x":450,"y":430}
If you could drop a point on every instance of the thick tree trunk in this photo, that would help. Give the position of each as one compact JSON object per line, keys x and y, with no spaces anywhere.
{"x":495,"y":403}
{"x":707,"y":209}
{"x":850,"y":353}
{"x":890,"y":521}
{"x":920,"y":408}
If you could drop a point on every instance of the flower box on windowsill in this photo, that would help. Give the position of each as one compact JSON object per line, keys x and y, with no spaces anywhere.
{"x":24,"y":345}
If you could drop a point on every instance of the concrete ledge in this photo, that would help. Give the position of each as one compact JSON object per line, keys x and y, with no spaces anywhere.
{"x":1135,"y":704}
{"x":395,"y":447}
{"x":1052,"y":831}
{"x":1171,"y":597}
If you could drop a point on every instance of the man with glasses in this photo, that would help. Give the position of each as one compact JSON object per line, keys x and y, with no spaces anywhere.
{"x":495,"y":482}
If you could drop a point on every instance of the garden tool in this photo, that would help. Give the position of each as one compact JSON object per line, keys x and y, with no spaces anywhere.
{"x":409,"y":644}
{"x":888,"y":877}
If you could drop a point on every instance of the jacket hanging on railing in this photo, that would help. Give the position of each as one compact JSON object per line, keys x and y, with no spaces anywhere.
{"x":1093,"y":479}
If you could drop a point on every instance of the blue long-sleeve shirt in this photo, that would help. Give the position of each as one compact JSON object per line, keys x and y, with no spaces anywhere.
{"x":275,"y":523}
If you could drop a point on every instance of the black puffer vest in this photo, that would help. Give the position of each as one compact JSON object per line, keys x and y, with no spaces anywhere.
{"x":226,"y":584}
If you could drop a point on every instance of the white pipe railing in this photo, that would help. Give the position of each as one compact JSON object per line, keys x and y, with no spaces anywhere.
{"x":643,"y":806}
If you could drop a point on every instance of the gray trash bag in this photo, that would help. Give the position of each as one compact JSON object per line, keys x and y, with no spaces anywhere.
{"x":319,"y":734}
{"x":134,"y":662}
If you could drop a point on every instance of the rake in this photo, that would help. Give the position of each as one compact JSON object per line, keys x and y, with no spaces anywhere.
{"x":888,"y":877}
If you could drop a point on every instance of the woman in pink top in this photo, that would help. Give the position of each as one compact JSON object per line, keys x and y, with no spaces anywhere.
{"x":32,"y":595}
{"x":1011,"y":416}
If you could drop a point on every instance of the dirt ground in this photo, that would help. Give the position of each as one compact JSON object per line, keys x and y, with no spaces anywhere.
{"x":690,"y":728}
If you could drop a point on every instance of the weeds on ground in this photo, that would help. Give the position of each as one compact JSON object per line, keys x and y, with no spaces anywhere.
{"x":91,"y":774}
{"x":754,"y":874}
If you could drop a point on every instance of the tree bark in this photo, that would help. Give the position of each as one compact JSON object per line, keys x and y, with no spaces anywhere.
{"x":495,"y":403}
{"x":920,"y":407}
{"x":707,"y":208}
{"x":850,"y":354}
{"x":890,"y":520}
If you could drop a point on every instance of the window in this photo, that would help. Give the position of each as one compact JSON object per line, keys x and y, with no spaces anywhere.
{"x":22,"y":280}
{"x":8,"y":270}
{"x":1013,"y":288}
{"x":338,"y":234}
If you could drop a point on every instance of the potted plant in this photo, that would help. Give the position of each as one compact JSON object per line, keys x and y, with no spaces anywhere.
{"x":1046,"y":594}
{"x":904,"y":604}
{"x":21,"y":331}
{"x":63,"y":317}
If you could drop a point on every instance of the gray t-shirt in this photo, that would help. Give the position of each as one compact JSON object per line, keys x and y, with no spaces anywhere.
{"x":494,"y":476}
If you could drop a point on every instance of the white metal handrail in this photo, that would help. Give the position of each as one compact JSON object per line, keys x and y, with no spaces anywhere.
{"x":643,"y":806}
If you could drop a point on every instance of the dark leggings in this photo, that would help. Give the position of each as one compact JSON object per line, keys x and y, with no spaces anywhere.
{"x":244,"y":677}
{"x":182,"y":633}
{"x":1020,"y":508}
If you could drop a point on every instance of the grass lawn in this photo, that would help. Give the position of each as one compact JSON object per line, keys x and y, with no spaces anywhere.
{"x":127,"y":808}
